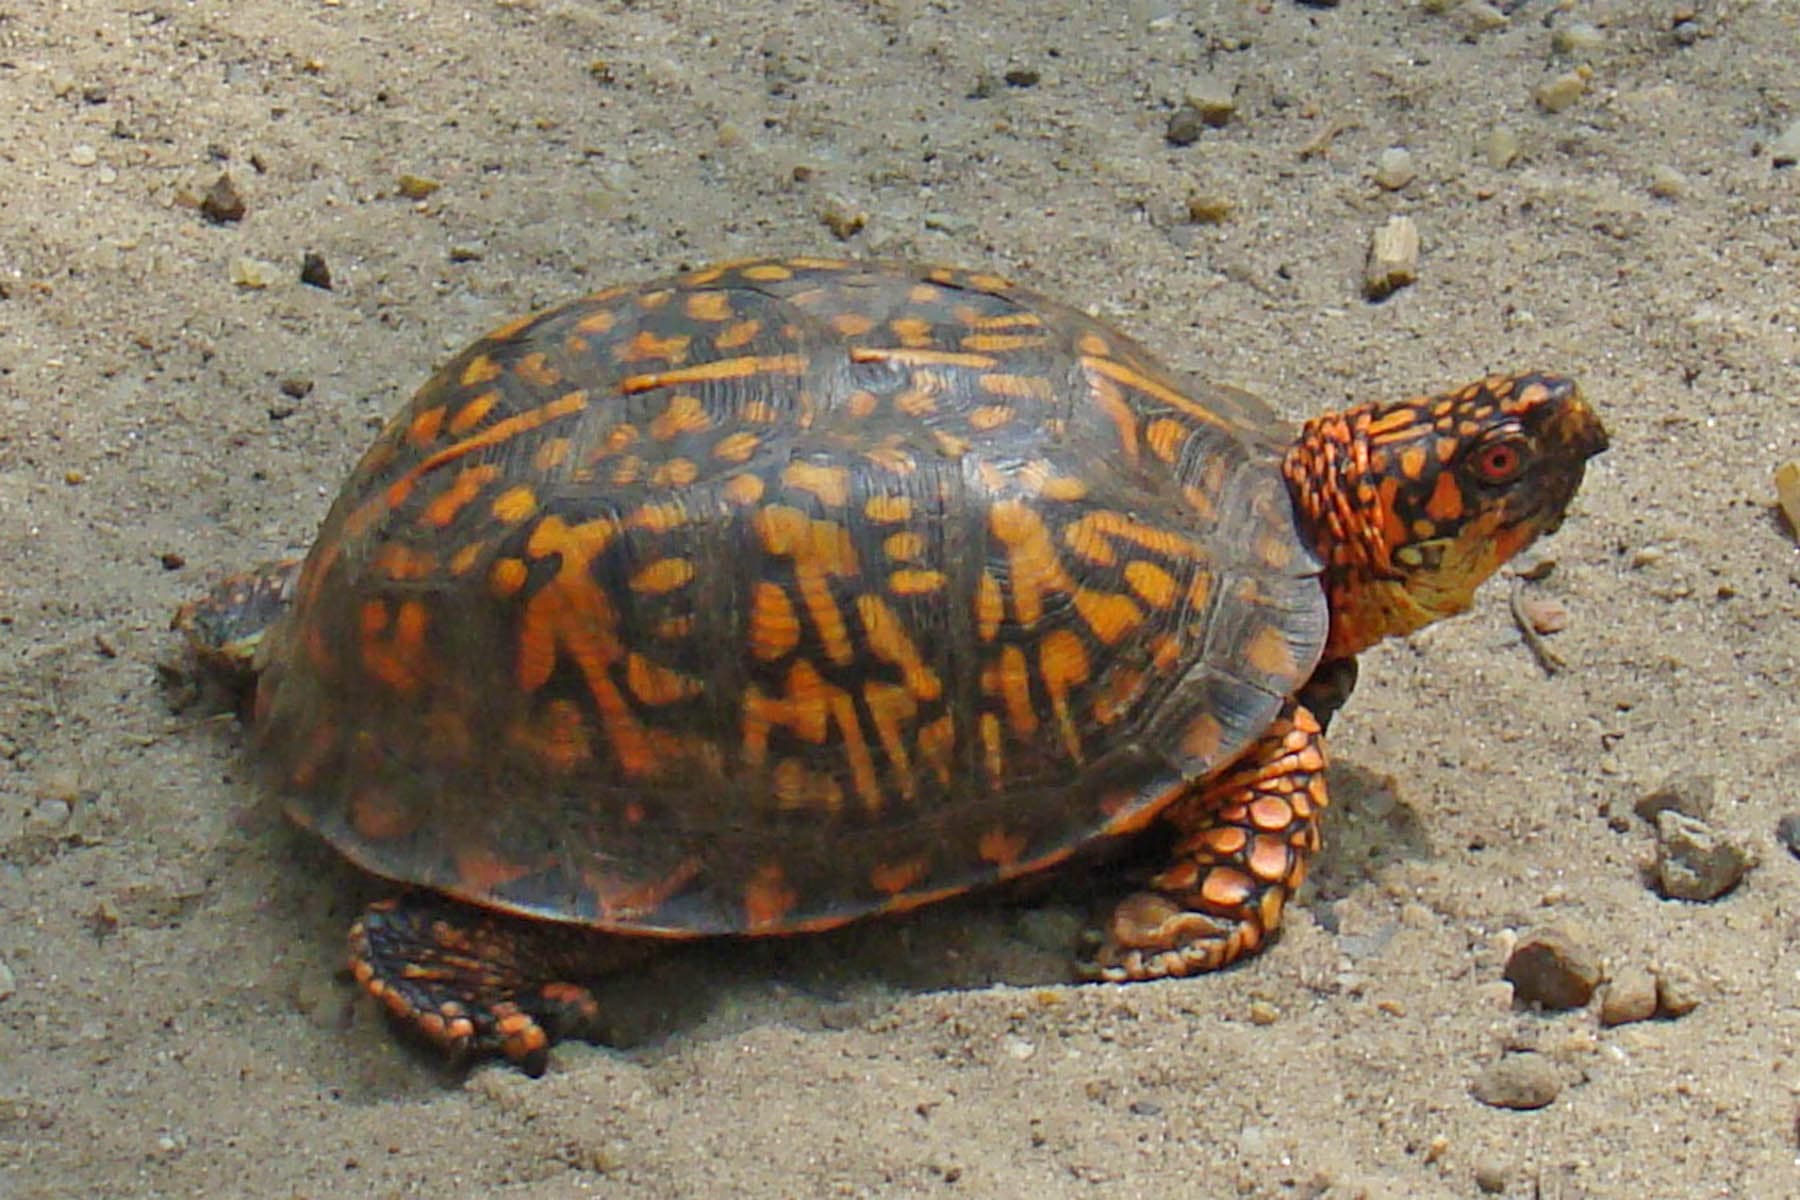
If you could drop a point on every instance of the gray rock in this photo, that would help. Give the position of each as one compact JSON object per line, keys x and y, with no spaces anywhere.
{"x":1695,"y":861}
{"x":1552,"y":969}
{"x":1677,"y":990}
{"x":1519,"y":1081}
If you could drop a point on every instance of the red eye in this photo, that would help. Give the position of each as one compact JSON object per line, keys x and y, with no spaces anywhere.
{"x":1499,"y":462}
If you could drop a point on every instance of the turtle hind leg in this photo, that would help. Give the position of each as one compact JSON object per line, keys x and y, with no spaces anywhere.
{"x":1243,"y":843}
{"x":474,"y":982}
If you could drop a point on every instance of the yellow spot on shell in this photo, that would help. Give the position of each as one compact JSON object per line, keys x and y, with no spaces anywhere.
{"x":1109,"y":615}
{"x":743,"y":489}
{"x":736,"y":447}
{"x":915,"y":583}
{"x":684,"y":415}
{"x":738,"y":335}
{"x":677,"y":472}
{"x":506,"y":577}
{"x":479,"y":370}
{"x":887,"y":510}
{"x":424,"y":428}
{"x":852,"y":324}
{"x":1268,"y":651}
{"x":600,"y":321}
{"x":767,"y":273}
{"x":707,"y":306}
{"x":1017,"y":387}
{"x":894,"y":878}
{"x":470,"y":414}
{"x":830,"y":484}
{"x":991,"y":416}
{"x":905,"y":546}
{"x":652,"y":683}
{"x":514,"y":504}
{"x":774,"y":625}
{"x":1154,"y":585}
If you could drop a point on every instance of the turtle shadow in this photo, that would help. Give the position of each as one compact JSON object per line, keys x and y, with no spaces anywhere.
{"x":1023,"y":935}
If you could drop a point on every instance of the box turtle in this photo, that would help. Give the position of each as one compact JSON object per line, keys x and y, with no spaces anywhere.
{"x":778,"y":594}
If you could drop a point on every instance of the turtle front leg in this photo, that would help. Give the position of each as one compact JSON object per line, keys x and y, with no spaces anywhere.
{"x":1244,"y":841}
{"x":475,"y":982}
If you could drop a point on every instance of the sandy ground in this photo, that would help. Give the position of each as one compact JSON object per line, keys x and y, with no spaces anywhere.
{"x":174,"y":1018}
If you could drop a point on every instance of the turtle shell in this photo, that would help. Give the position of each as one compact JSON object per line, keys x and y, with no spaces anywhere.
{"x":774,"y":594}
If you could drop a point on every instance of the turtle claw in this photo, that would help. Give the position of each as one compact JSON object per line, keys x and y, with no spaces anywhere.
{"x":1150,"y":936}
{"x":464,"y":981}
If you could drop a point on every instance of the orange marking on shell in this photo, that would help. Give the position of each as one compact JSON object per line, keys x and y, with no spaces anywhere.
{"x":851,"y":324}
{"x":990,"y":606}
{"x":466,"y":558}
{"x":425,"y":427}
{"x":515,"y":504}
{"x":887,"y":638}
{"x":797,"y":788}
{"x":1121,"y":688}
{"x":551,"y":454}
{"x":1268,"y":651}
{"x":655,"y":684}
{"x":1017,"y":387}
{"x":774,"y":625}
{"x":1035,"y":567}
{"x":1399,"y":421}
{"x":907,"y":357}
{"x":915,"y":402}
{"x":600,"y":321}
{"x":888,"y":510}
{"x":1011,"y":681}
{"x":905,"y":546}
{"x":673,"y":629}
{"x":767,"y":272}
{"x":444,"y":507}
{"x":820,"y":550}
{"x":894,"y":878}
{"x":1064,"y":488}
{"x":472,"y":413}
{"x":993,"y":343}
{"x":1001,"y":848}
{"x":738,"y":335}
{"x":662,"y":576}
{"x":949,"y":444}
{"x":1165,"y":437}
{"x":736,"y":447}
{"x":1162,"y":393}
{"x":481,"y":872}
{"x":831,"y":485}
{"x":506,"y":577}
{"x":645,"y":346}
{"x":709,"y":307}
{"x":572,"y":615}
{"x":535,"y":370}
{"x":1062,"y":664}
{"x":1155,"y":586}
{"x":479,"y":370}
{"x":1111,"y":617}
{"x":742,"y":490}
{"x":892,"y":459}
{"x":683,"y":415}
{"x":655,"y":299}
{"x":745,"y":367}
{"x":398,"y":561}
{"x":937,"y":746}
{"x":916,"y":583}
{"x":378,"y":816}
{"x":1227,"y":887}
{"x":397,"y":655}
{"x":927,"y":296}
{"x":1446,"y":503}
{"x":989,"y":417}
{"x":1412,"y":461}
{"x":861,"y":403}
{"x":892,"y":708}
{"x":675,"y":473}
{"x":618,"y":439}
{"x":912,"y":332}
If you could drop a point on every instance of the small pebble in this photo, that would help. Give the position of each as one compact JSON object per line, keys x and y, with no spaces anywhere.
{"x":1490,"y":1177}
{"x":1482,"y":17}
{"x":1185,"y":126}
{"x":1787,"y":493}
{"x":1666,"y":183}
{"x":1576,"y":38}
{"x":1207,"y":209}
{"x":1022,"y":77}
{"x":1685,"y":33}
{"x":1784,"y":151}
{"x":314,"y":272}
{"x":843,"y":218}
{"x":1689,"y":793}
{"x":1213,"y":100}
{"x":1263,"y":1013}
{"x":1629,"y":998}
{"x":1551,"y":969}
{"x":1500,"y":148}
{"x":1694,"y":861}
{"x":1394,"y":169}
{"x":83,"y":155}
{"x":1787,"y":832}
{"x":1546,"y":614}
{"x":1393,"y":258}
{"x":222,"y":203}
{"x":1554,"y":95}
{"x":8,"y":985}
{"x":1677,"y":990}
{"x":252,"y":273}
{"x":416,"y":187}
{"x":1519,"y":1081}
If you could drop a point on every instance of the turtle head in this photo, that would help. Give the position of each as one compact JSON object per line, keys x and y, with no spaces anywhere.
{"x":1411,"y":505}
{"x":224,"y":629}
